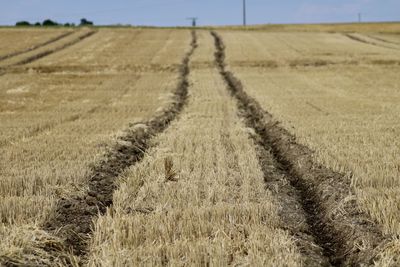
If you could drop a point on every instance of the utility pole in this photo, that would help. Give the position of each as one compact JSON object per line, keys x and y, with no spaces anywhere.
{"x":194,"y":21}
{"x":244,"y":13}
{"x":359,"y":17}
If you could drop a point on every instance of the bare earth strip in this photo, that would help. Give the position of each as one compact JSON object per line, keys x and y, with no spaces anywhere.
{"x":336,"y":221}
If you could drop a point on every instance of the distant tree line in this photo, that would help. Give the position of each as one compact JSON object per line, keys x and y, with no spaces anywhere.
{"x":49,"y":23}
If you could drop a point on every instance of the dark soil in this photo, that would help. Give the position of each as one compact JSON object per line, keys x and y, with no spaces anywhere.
{"x":344,"y":235}
{"x":73,"y":217}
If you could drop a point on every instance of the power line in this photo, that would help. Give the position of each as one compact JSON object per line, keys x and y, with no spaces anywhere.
{"x":194,"y":21}
{"x":244,"y":13}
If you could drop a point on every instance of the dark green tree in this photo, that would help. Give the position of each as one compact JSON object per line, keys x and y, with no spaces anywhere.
{"x":49,"y":22}
{"x":22,"y":23}
{"x":85,"y":22}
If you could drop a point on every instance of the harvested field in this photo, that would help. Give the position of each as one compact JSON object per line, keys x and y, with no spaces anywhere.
{"x":272,"y":50}
{"x":45,"y":49}
{"x":384,"y":27}
{"x":165,"y":147}
{"x":198,"y":197}
{"x":39,"y":166}
{"x":18,"y":41}
{"x":347,"y":115}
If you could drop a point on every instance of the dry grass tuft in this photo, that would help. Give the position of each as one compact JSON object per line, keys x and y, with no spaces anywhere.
{"x":29,"y":246}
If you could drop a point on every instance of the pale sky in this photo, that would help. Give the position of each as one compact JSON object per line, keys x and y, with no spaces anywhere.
{"x":209,"y":12}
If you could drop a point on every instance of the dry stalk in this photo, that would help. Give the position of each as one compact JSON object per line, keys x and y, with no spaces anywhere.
{"x":170,"y":173}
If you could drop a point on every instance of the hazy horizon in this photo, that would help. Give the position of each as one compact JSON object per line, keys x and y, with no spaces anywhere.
{"x":216,"y":12}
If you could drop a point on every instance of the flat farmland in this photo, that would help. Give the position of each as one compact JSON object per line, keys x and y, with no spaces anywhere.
{"x":171,"y":147}
{"x":347,"y":114}
{"x":56,"y":122}
{"x":18,"y":41}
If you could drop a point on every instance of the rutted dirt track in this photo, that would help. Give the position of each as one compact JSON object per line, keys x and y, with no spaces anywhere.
{"x":361,"y":40}
{"x":344,"y":234}
{"x":46,"y":52}
{"x":55,"y":39}
{"x":383,"y":40}
{"x":52,"y":51}
{"x":73,"y":216}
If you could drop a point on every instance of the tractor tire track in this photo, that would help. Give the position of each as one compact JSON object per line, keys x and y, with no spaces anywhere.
{"x":53,"y":40}
{"x":55,"y":50}
{"x":293,"y":217}
{"x":383,"y":40}
{"x":6,"y":69}
{"x":360,"y":40}
{"x":345,"y":235}
{"x":74,"y":117}
{"x":73,"y":217}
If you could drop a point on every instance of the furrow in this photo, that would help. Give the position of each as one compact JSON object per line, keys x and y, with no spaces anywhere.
{"x":73,"y":217}
{"x":347,"y":236}
{"x":30,"y":49}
